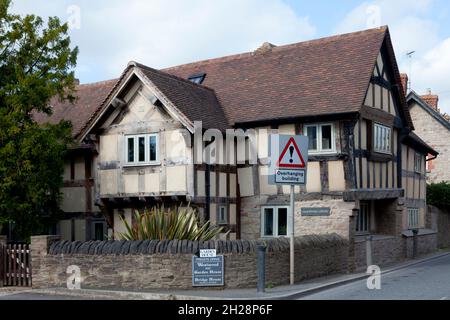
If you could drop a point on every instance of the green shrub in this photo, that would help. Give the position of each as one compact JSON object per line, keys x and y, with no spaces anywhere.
{"x":438,"y":195}
{"x":160,"y":224}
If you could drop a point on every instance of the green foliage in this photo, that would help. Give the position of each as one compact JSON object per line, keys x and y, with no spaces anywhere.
{"x":438,"y":195}
{"x":159,"y":224}
{"x":36,"y":64}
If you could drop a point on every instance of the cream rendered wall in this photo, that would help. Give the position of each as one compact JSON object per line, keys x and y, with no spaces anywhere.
{"x":108,"y":181}
{"x":232,"y":185}
{"x":131,"y":183}
{"x":336,"y":178}
{"x":175,"y":172}
{"x":245,"y":182}
{"x":313,"y":177}
{"x":222,"y":184}
{"x":201,"y":191}
{"x":108,"y":148}
{"x":176,"y":178}
{"x":152,"y":182}
{"x":265,"y":187}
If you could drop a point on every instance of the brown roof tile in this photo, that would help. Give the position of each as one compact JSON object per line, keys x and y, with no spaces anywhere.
{"x":89,"y":98}
{"x":324,"y":76}
{"x":195,"y":101}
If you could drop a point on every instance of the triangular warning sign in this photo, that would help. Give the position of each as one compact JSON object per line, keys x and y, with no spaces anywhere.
{"x":291,"y":156}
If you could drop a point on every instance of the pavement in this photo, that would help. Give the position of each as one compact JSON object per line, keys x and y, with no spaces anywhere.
{"x":328,"y":287}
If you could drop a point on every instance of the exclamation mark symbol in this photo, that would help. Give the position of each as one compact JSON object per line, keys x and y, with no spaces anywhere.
{"x":291,"y":151}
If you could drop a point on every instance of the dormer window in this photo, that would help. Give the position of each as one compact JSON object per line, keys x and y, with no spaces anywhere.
{"x":197,"y":78}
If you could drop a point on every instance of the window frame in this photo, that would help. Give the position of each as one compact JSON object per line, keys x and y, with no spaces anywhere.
{"x":318,"y":127}
{"x":359,"y":231}
{"x":147,"y":160}
{"x":225,"y":220}
{"x":275,"y":221}
{"x":378,"y":127}
{"x":418,"y":158}
{"x":416,"y":212}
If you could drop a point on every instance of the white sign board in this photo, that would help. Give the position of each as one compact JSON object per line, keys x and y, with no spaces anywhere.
{"x":288,"y":159}
{"x":207,"y":253}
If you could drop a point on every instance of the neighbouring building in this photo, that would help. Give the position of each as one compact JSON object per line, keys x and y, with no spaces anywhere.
{"x":434,"y":128}
{"x":366,"y":166}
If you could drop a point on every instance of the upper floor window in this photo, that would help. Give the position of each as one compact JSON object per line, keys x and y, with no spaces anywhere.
{"x":381,"y":138}
{"x":141,"y":149}
{"x":321,"y":138}
{"x":418,"y":163}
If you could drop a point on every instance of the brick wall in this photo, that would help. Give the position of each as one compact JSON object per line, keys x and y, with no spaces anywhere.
{"x":167,"y":264}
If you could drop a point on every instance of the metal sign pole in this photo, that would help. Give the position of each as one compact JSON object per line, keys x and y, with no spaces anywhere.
{"x":292,"y":235}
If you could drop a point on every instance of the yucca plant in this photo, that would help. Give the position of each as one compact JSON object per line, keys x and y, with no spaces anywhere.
{"x":160,"y":224}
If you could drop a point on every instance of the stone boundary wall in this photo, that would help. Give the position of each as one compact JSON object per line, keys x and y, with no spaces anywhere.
{"x":387,"y":250}
{"x":440,"y":221}
{"x":143,"y":265}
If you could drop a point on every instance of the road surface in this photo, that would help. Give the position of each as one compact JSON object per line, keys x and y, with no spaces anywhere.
{"x":429,"y":280}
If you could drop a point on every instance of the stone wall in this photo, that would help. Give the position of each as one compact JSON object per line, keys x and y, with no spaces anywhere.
{"x":336,"y":222}
{"x":387,"y":250}
{"x":143,"y":265}
{"x":438,"y":137}
{"x":440,"y":221}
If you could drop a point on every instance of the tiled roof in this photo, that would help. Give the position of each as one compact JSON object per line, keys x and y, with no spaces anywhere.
{"x":195,"y":101}
{"x":324,"y":76}
{"x":312,"y":78}
{"x":89,"y":98}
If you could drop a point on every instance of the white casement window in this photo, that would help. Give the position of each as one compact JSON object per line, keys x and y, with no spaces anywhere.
{"x":363,"y":218}
{"x":321,"y":138}
{"x":141,"y":149}
{"x":274,"y":222}
{"x":413,"y":218}
{"x":381,"y":138}
{"x":222,"y":215}
{"x":418,"y":162}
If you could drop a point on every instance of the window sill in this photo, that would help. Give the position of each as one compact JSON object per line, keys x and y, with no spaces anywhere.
{"x":146,"y":164}
{"x":322,"y":153}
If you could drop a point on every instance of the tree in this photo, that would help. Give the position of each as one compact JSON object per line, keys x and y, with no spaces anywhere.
{"x":36,"y":64}
{"x":438,"y":195}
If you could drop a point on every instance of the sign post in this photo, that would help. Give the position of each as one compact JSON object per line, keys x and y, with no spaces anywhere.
{"x":288,"y":164}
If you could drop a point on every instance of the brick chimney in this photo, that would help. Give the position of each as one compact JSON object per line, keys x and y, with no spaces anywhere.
{"x":431,"y":99}
{"x":404,"y":80}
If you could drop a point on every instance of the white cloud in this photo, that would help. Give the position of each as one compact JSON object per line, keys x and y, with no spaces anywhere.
{"x":411,"y":29}
{"x":163,"y":33}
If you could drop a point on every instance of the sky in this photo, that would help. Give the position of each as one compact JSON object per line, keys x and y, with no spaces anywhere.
{"x":163,"y":33}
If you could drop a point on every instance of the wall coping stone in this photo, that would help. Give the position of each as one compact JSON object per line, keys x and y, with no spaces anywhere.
{"x":120,"y":247}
